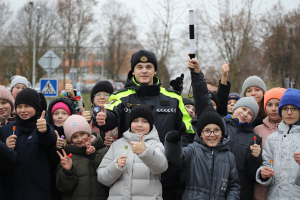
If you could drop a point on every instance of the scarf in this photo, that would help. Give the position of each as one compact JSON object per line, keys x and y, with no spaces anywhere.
{"x":27,"y":125}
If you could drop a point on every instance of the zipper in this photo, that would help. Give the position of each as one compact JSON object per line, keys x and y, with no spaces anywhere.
{"x":213,"y":164}
{"x":287,"y":132}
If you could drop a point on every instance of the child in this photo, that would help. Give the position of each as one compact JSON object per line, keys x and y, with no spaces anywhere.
{"x":75,"y":97}
{"x":189,"y":105}
{"x":7,"y":114}
{"x":283,"y":148}
{"x":99,"y":96}
{"x":271,"y":103}
{"x":256,"y":87}
{"x":208,"y":164}
{"x":31,"y":174}
{"x":17,"y":84}
{"x":232,"y":99}
{"x":133,"y":164}
{"x":246,"y":150}
{"x":76,"y":177}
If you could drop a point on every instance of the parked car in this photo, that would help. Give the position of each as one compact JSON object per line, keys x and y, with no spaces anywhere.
{"x":88,"y":88}
{"x":119,"y":85}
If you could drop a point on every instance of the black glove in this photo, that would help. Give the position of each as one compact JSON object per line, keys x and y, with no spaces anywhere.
{"x":177,"y":84}
{"x":175,"y":136}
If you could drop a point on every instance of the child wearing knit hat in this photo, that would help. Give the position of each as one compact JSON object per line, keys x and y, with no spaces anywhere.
{"x":283,"y":148}
{"x":76,"y":175}
{"x":17,"y":84}
{"x":133,"y":163}
{"x":29,"y":136}
{"x":200,"y":162}
{"x":256,"y":87}
{"x":7,"y":114}
{"x":232,"y":99}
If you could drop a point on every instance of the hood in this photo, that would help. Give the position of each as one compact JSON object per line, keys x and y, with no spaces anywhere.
{"x":60,"y":99}
{"x":221,"y":146}
{"x":131,"y":82}
{"x":152,"y":135}
{"x":97,"y":143}
{"x":268,"y":124}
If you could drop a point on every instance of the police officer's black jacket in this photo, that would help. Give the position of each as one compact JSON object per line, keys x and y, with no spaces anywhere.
{"x":241,"y":138}
{"x":169,"y":111}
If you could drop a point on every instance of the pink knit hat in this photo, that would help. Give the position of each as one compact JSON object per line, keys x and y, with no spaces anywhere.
{"x":74,"y":124}
{"x":274,"y":93}
{"x":6,"y":95}
{"x":60,"y":105}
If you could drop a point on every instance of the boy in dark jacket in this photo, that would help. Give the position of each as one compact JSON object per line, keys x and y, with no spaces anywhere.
{"x":208,"y":164}
{"x":247,"y":152}
{"x":31,"y":174}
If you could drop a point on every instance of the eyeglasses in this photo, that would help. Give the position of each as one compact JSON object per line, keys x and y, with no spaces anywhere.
{"x":105,"y":95}
{"x":293,"y":110}
{"x":216,"y":132}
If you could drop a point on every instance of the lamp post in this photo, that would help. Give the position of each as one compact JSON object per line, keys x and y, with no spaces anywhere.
{"x":102,"y":61}
{"x":34,"y":33}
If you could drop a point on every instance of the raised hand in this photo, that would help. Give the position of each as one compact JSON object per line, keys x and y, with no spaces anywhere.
{"x":89,"y":148}
{"x":108,"y":141}
{"x":255,"y":150}
{"x":11,"y":141}
{"x":69,"y":89}
{"x":266,"y":172}
{"x":122,"y":161}
{"x":59,"y":141}
{"x":101,"y":116}
{"x":138,"y":147}
{"x":41,"y":123}
{"x":194,"y":64}
{"x":297,"y":157}
{"x":86,"y":114}
{"x":65,"y":160}
{"x":225,"y":69}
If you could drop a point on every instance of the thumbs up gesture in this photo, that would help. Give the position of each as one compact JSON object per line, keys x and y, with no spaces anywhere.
{"x":225,"y":69}
{"x":138,"y":147}
{"x":101,"y":116}
{"x":59,"y":141}
{"x":41,"y":123}
{"x":69,"y":89}
{"x":86,"y":114}
{"x":89,"y":148}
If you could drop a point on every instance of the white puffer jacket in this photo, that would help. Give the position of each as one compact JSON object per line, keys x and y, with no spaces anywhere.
{"x":281,"y":146}
{"x":140,"y":177}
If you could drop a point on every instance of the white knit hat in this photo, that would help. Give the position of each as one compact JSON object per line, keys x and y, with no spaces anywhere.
{"x":18,"y":79}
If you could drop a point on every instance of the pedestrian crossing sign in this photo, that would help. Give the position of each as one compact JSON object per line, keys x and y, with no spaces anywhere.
{"x":49,"y":87}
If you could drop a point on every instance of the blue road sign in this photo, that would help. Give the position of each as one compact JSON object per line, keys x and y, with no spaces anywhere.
{"x":49,"y":87}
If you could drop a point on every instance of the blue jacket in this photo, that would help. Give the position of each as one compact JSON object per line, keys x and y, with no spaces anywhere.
{"x":30,"y":177}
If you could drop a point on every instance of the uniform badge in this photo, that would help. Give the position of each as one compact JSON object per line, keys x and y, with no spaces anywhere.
{"x":112,"y":101}
{"x":144,"y":59}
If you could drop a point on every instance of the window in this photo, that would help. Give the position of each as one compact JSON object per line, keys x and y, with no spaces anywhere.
{"x":96,"y":69}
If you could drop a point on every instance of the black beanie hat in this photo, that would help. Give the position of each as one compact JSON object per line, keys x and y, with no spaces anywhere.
{"x":177,"y":84}
{"x":209,"y":116}
{"x":187,"y":101}
{"x":214,"y":97}
{"x":144,"y":111}
{"x":143,"y":56}
{"x":43,"y":101}
{"x":30,"y":97}
{"x":105,"y":86}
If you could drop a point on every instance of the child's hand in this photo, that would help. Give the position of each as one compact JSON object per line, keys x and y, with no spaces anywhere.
{"x":225,"y":69}
{"x":41,"y":123}
{"x":86,"y":114}
{"x":89,"y":148}
{"x":101,"y":116}
{"x":266,"y":172}
{"x":297,"y":157}
{"x":122,"y":161}
{"x":65,"y":160}
{"x":108,"y":141}
{"x":138,"y":147}
{"x":194,"y":64}
{"x":69,"y":89}
{"x":59,"y":141}
{"x":11,"y":141}
{"x":255,"y":150}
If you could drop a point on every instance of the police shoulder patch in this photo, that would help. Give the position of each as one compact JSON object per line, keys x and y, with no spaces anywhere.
{"x":112,"y":101}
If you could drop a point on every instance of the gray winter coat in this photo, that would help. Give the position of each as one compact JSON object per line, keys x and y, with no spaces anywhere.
{"x":140,"y":177}
{"x":280,"y":146}
{"x":211,"y":173}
